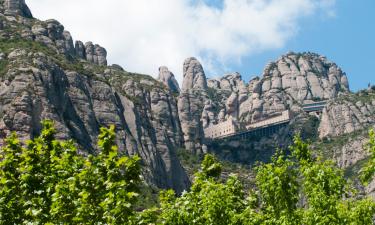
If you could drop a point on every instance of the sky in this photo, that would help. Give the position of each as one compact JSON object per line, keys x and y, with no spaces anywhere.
{"x":225,"y":35}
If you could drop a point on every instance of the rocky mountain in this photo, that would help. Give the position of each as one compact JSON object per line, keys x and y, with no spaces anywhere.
{"x":285,"y":85}
{"x":45,"y":75}
{"x":168,"y":79}
{"x":17,"y":7}
{"x":344,"y":128}
{"x":191,"y":103}
{"x":348,"y":113}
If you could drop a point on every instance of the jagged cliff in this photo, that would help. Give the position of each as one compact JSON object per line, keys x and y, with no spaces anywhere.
{"x":285,"y":85}
{"x":348,"y":113}
{"x":44,"y":76}
{"x":344,"y":128}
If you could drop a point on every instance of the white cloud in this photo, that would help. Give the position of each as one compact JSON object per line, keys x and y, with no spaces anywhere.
{"x":142,"y":35}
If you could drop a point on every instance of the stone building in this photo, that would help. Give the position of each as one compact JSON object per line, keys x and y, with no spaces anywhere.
{"x":284,"y":116}
{"x":222,"y":129}
{"x":314,"y":108}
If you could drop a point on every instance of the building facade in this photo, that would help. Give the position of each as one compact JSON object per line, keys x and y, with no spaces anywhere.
{"x":222,"y":129}
{"x":231,"y":127}
{"x":285,"y":116}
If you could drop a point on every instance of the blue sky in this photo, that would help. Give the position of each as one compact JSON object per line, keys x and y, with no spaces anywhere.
{"x":225,"y":35}
{"x":347,"y":39}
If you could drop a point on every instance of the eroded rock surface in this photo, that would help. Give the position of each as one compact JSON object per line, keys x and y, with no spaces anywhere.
{"x":17,"y":7}
{"x":191,"y":104}
{"x":194,"y":76}
{"x":168,"y":79}
{"x":96,"y":54}
{"x":47,"y":77}
{"x":348,"y":113}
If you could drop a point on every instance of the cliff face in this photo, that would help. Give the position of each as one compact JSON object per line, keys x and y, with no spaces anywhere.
{"x":293,"y":79}
{"x":12,"y":7}
{"x":348,"y":113}
{"x":44,"y":76}
{"x":286,"y":84}
{"x":190,"y":105}
{"x":168,"y":79}
{"x":344,"y":128}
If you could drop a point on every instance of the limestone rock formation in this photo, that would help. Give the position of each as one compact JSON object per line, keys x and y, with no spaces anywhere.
{"x":305,"y":76}
{"x":191,"y":104}
{"x":345,"y":122}
{"x":167,"y":78}
{"x":80,"y":50}
{"x":43,"y":79}
{"x":233,"y":91}
{"x":295,"y":78}
{"x":229,"y":82}
{"x":96,"y":54}
{"x":285,"y":84}
{"x":47,"y":76}
{"x":17,"y":7}
{"x":348,"y":113}
{"x":194,"y":76}
{"x":350,"y":152}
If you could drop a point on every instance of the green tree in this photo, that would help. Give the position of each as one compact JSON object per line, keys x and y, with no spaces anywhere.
{"x":357,"y":212}
{"x":296,"y":189}
{"x":66,"y":165}
{"x":208,"y":202}
{"x":108,"y":184}
{"x":37,"y":180}
{"x":368,"y":171}
{"x":279,"y":191}
{"x":48,"y":182}
{"x":326,"y":192}
{"x":324,"y":186}
{"x":10,"y":199}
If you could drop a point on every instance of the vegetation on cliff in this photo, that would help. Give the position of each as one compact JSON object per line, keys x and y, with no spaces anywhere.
{"x":46,"y":181}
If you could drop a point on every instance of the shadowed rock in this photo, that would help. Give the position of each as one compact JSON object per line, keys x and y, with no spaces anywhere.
{"x":17,"y":7}
{"x":96,"y":54}
{"x":80,"y":50}
{"x":168,"y":79}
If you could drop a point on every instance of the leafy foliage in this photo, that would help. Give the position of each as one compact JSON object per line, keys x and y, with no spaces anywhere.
{"x":368,"y":171}
{"x":278,"y":186}
{"x":299,"y":189}
{"x":48,"y":182}
{"x":10,"y":175}
{"x":208,"y":202}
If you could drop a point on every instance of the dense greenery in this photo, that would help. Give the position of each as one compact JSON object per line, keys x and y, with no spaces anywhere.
{"x":300,"y":189}
{"x":48,"y":182}
{"x":368,"y":171}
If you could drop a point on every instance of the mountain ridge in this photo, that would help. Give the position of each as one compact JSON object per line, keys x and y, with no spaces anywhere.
{"x":44,"y":75}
